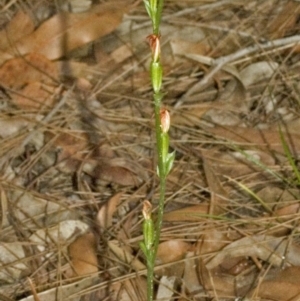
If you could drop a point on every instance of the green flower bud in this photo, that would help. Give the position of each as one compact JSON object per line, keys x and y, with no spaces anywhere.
{"x":148,"y":232}
{"x":148,"y":226}
{"x":156,"y":76}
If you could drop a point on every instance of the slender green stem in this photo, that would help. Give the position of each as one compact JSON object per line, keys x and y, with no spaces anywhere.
{"x":165,"y":159}
{"x":162,"y":177}
{"x":150,"y":276}
{"x":160,"y":213}
{"x":161,"y":171}
{"x":158,"y":132}
{"x":151,"y":258}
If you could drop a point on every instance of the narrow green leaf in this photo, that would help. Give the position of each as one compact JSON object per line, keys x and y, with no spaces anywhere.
{"x":254,"y":195}
{"x":289,"y":155}
{"x":169,"y":162}
{"x":144,"y":249}
{"x":148,"y":9}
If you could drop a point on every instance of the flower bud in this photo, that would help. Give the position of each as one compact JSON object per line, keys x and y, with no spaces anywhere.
{"x":156,"y":76}
{"x":165,"y":120}
{"x":147,"y":208}
{"x":154,"y":42}
{"x":148,"y":227}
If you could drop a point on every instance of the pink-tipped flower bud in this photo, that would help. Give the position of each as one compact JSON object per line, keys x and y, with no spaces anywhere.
{"x":147,"y":208}
{"x":154,"y":42}
{"x":165,"y":120}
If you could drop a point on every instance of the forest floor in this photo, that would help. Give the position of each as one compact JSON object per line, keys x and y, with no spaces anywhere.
{"x":77,"y":150}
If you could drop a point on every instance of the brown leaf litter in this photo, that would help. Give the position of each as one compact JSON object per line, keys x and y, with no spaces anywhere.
{"x":77,"y":150}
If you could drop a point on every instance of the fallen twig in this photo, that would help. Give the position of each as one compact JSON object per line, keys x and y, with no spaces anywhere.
{"x":220,"y":62}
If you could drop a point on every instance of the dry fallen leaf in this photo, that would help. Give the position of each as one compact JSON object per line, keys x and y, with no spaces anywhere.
{"x":125,"y":256}
{"x":275,"y":250}
{"x":171,"y":251}
{"x":35,"y":95}
{"x":12,"y":125}
{"x":237,"y":164}
{"x":64,"y":291}
{"x":213,"y":240}
{"x":76,"y":6}
{"x":275,"y":195}
{"x":258,"y":71}
{"x":166,"y":288}
{"x":12,"y":266}
{"x":29,"y":205}
{"x":65,"y":32}
{"x":119,"y":171}
{"x":190,"y":116}
{"x":121,"y":54}
{"x":284,"y":285}
{"x":190,"y":277}
{"x":283,"y":21}
{"x":288,"y":210}
{"x":218,"y":194}
{"x":19,"y":26}
{"x":222,"y":284}
{"x":106,"y":212}
{"x":72,"y":149}
{"x":263,"y":139}
{"x":83,"y":254}
{"x":191,"y":213}
{"x":129,"y":290}
{"x":182,"y":47}
{"x":62,"y":234}
{"x":33,"y":67}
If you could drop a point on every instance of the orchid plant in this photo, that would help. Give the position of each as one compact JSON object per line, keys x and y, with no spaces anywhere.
{"x":151,"y":230}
